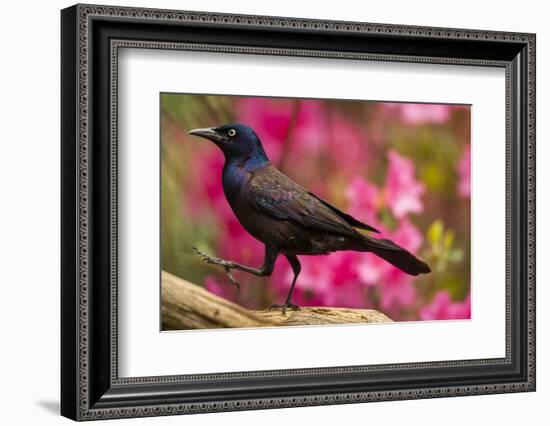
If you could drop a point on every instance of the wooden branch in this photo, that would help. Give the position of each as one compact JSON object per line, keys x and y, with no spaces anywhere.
{"x":189,"y":306}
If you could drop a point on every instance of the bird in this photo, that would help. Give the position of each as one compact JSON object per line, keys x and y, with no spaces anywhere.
{"x":287,"y":218}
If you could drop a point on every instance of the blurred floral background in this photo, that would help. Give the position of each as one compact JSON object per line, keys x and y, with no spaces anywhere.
{"x":403,"y":168}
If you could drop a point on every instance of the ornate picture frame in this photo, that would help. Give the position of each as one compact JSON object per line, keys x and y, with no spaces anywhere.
{"x":91,"y":38}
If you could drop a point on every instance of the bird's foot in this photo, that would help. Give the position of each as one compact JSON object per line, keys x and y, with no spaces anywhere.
{"x":285,"y":306}
{"x":227,"y":265}
{"x":213,"y":260}
{"x":232,"y":279}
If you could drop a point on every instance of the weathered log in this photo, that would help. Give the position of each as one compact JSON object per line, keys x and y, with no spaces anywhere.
{"x":189,"y":306}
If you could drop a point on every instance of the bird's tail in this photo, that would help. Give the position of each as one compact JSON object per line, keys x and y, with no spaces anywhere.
{"x":394,"y":254}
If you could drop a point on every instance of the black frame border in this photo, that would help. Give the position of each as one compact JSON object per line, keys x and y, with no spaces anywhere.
{"x":91,"y":37}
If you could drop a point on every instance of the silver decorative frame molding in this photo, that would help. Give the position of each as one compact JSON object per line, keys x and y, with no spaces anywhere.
{"x":89,"y":401}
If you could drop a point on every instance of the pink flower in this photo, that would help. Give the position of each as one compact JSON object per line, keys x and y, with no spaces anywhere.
{"x":407,"y":236}
{"x":348,"y":295}
{"x":270,"y":118}
{"x":402,"y":190}
{"x":222,"y":289}
{"x":208,"y":196}
{"x":422,"y":113}
{"x":330,"y":280}
{"x":412,"y":113}
{"x":275,"y":120}
{"x":238,"y":245}
{"x":443,"y":308}
{"x":300,"y":297}
{"x":397,"y":290}
{"x":395,"y":285}
{"x":464,"y":173}
{"x":293,"y":129}
{"x":372,"y":270}
{"x":310,"y":131}
{"x":347,"y":146}
{"x":364,"y":200}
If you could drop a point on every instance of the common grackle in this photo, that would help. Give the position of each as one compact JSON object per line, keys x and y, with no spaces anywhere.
{"x":287,"y":218}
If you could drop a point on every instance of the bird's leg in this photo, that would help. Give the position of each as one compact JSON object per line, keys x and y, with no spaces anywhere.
{"x":266,"y":269}
{"x":296,"y":268}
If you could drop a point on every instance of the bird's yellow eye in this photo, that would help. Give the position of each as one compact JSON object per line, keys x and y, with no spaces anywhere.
{"x":231,"y":132}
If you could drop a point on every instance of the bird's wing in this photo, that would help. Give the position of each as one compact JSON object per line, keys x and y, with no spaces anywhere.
{"x":348,"y":218}
{"x":279,"y":196}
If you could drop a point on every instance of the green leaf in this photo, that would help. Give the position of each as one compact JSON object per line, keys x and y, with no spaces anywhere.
{"x":448,"y":239}
{"x":455,"y":255}
{"x":435,"y":232}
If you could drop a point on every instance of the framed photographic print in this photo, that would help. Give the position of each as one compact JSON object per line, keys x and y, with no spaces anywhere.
{"x":263,"y":212}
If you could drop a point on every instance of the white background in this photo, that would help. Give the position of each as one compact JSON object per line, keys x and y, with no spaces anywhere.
{"x":29,"y":218}
{"x":146,"y":352}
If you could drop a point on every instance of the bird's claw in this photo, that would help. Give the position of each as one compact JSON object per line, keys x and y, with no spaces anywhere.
{"x":284,"y":307}
{"x":212,"y":260}
{"x":232,"y":279}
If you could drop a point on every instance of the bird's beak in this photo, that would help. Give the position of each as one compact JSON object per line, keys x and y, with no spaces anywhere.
{"x":208,"y":133}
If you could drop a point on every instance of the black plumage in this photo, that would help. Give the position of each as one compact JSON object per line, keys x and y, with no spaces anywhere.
{"x":286,"y":217}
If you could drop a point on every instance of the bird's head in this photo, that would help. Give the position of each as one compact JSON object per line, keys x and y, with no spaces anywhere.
{"x":237,"y":141}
